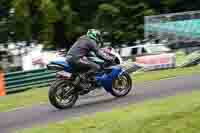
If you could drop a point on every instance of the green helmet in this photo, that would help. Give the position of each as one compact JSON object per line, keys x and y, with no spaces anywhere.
{"x":95,"y":35}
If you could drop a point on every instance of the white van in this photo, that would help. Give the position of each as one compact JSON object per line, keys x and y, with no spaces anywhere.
{"x":140,"y":50}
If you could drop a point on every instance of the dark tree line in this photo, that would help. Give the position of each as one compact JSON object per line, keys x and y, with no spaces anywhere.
{"x":58,"y":23}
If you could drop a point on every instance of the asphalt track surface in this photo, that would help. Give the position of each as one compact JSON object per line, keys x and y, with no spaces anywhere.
{"x":99,"y":102}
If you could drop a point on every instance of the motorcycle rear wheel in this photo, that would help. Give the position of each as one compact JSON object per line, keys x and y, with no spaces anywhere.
{"x":57,"y":94}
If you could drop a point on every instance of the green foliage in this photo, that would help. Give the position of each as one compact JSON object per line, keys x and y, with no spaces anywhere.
{"x":110,"y":9}
{"x":59,"y":22}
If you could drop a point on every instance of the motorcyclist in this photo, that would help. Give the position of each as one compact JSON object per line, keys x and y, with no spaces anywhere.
{"x":78,"y":53}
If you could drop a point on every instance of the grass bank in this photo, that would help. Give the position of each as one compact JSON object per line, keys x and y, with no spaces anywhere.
{"x":163,"y":74}
{"x":39,"y":95}
{"x":179,"y":114}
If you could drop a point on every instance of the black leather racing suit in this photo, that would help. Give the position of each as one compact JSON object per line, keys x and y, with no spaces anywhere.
{"x":77,"y":54}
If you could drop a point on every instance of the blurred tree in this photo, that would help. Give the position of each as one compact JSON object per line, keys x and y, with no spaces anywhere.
{"x":124,"y":19}
{"x":59,"y":22}
{"x":5,"y":7}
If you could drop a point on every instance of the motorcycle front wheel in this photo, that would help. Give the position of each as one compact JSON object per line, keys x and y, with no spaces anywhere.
{"x":62,"y":94}
{"x":122,"y":85}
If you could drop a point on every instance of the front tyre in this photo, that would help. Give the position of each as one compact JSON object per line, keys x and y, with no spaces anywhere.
{"x":62,"y":94}
{"x":122,"y":85}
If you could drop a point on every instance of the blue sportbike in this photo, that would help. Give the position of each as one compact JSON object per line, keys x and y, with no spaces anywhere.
{"x":70,"y":82}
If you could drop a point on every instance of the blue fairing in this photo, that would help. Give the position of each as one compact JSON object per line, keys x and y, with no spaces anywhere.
{"x":63,"y":63}
{"x":106,"y":80}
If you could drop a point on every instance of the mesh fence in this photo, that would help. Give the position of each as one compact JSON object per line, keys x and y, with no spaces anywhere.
{"x":175,"y":27}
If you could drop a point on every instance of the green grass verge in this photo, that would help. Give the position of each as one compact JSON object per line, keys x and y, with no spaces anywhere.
{"x":163,"y":74}
{"x":171,"y":115}
{"x":180,"y":57}
{"x":34,"y":96}
{"x":39,"y":95}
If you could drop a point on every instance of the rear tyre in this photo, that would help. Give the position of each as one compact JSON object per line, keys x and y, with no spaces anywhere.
{"x":62,"y":95}
{"x":122,"y":85}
